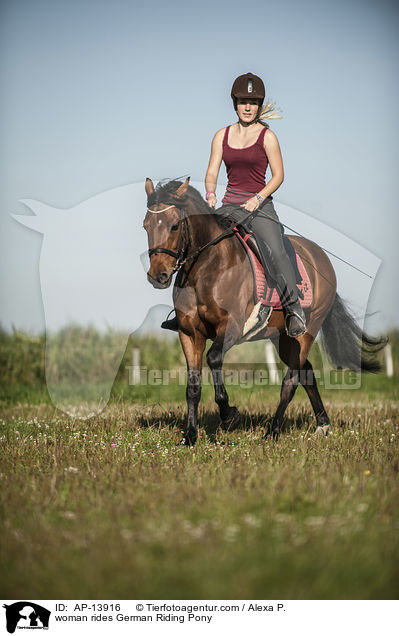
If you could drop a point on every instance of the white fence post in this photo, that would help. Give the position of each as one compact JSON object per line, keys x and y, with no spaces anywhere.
{"x":134,"y":370}
{"x":388,"y":360}
{"x":271,"y":363}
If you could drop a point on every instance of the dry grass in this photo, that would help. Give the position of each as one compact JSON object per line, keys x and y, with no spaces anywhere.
{"x":113,"y":507}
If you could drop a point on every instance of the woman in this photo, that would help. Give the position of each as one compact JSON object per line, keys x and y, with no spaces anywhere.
{"x":247,"y":148}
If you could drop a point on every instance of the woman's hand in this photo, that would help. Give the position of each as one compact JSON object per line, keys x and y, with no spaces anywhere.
{"x":251,"y":205}
{"x":211,"y":200}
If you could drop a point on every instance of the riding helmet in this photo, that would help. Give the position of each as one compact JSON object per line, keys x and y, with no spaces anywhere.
{"x":250,"y":86}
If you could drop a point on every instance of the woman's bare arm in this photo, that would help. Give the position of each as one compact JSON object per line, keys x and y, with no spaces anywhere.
{"x":211,"y":177}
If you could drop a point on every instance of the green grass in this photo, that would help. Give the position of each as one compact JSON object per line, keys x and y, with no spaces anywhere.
{"x":114,"y":507}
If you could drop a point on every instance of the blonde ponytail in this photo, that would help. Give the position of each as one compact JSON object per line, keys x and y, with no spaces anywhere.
{"x":268,"y":111}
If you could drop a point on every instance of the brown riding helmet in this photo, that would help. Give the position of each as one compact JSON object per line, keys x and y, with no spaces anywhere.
{"x":250,"y":86}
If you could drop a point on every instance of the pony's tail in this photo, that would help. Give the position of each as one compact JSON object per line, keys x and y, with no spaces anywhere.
{"x":346,"y":344}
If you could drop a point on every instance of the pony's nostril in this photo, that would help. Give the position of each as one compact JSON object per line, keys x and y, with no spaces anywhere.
{"x":162,"y":277}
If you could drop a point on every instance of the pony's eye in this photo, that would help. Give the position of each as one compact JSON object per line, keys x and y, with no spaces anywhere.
{"x":174,"y":227}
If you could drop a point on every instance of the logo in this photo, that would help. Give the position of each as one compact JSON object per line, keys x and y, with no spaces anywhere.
{"x":26,"y":615}
{"x":249,"y":86}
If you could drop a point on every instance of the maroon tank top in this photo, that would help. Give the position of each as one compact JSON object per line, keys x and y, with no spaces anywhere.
{"x":246,"y":169}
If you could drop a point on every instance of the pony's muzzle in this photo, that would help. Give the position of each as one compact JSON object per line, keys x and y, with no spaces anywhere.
{"x":162,"y":281}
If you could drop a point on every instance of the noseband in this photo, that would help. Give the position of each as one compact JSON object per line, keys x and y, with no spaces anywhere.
{"x":184,"y":240}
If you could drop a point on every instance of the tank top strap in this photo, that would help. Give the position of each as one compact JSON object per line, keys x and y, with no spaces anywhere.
{"x":261,"y":138}
{"x":226,"y":134}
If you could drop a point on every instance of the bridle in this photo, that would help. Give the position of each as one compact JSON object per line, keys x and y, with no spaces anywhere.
{"x":184,"y":242}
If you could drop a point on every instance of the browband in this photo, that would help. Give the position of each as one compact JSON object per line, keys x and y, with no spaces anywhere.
{"x":159,"y":211}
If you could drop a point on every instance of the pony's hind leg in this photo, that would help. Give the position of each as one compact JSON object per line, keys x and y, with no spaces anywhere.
{"x":288,"y":388}
{"x":193,"y":347}
{"x":294,"y":352}
{"x":308,"y":381}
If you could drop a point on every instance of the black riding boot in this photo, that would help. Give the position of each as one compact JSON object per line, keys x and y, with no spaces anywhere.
{"x":171,"y":324}
{"x":295,"y":320}
{"x":277,"y":265}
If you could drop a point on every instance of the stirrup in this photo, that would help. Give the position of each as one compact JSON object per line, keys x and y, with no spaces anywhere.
{"x":263,"y":314}
{"x":300,"y":329}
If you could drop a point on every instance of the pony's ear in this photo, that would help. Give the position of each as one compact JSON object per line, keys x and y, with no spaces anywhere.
{"x":149,"y":186}
{"x":181,"y":190}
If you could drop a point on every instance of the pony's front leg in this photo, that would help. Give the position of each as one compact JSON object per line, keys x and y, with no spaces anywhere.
{"x":193,"y":348}
{"x":229,"y":415}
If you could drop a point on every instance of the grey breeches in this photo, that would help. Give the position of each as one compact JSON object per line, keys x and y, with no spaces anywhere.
{"x":267,"y":228}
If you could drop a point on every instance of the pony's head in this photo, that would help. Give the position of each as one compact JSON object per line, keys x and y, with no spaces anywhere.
{"x":164,"y":224}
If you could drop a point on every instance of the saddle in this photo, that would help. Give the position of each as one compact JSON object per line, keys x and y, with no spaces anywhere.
{"x":265,"y":291}
{"x":266,"y":297}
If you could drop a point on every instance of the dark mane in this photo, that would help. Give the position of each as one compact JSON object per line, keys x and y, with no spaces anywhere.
{"x":165,"y":193}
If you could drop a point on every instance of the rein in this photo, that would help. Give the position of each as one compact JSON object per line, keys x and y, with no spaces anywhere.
{"x":180,"y":261}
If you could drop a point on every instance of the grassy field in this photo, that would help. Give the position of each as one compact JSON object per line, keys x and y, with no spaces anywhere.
{"x":113,"y":507}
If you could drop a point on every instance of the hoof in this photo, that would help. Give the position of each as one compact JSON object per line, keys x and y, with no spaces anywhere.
{"x":230,"y":422}
{"x":322,"y":431}
{"x":273,"y":432}
{"x":188,"y":439}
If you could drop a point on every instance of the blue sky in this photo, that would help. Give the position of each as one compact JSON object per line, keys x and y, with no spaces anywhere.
{"x":100,"y":94}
